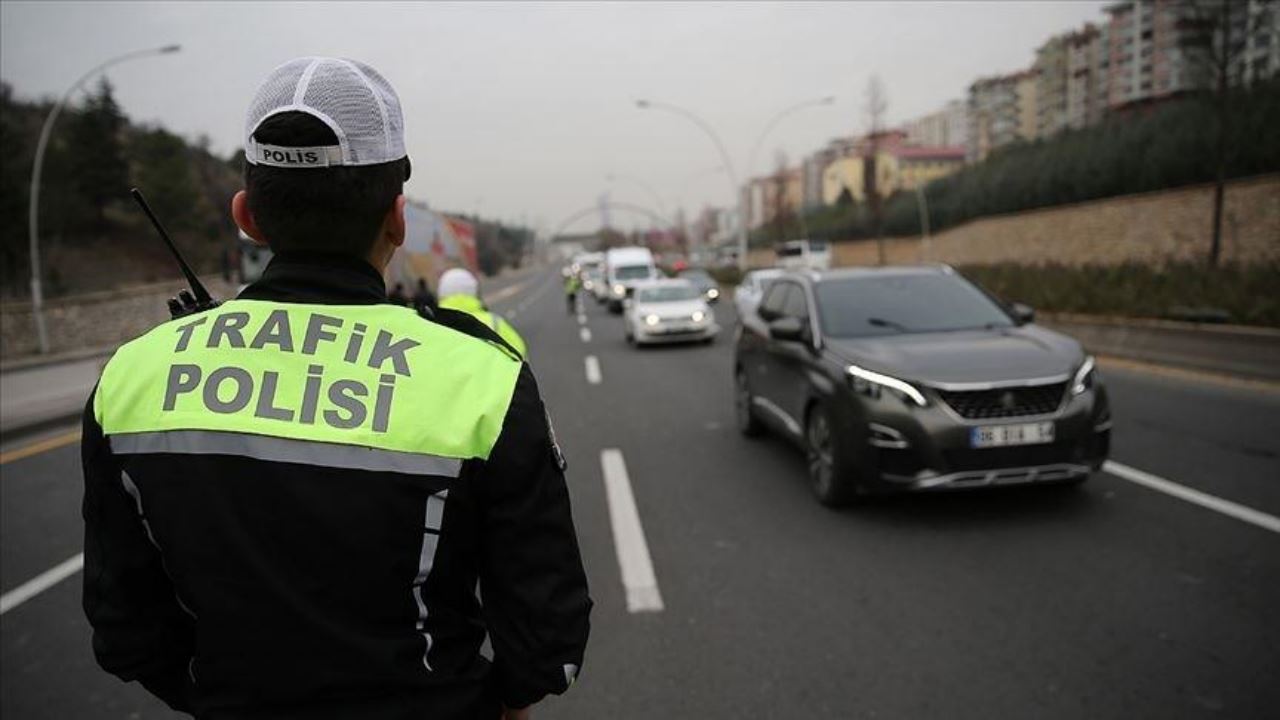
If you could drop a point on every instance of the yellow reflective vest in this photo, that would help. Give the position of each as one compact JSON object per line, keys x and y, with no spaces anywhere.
{"x":472,"y":306}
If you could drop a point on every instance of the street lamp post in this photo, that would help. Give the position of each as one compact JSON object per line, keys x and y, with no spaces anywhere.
{"x":33,"y":218}
{"x":735,"y":191}
{"x":922,"y":204}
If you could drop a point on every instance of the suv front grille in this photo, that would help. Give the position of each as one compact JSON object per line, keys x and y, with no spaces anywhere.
{"x":1005,"y":402}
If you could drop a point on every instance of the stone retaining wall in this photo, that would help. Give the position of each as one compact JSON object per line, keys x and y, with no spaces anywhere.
{"x":92,"y":320}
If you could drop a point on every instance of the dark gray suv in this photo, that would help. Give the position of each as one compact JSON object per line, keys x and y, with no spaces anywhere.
{"x":913,"y":378}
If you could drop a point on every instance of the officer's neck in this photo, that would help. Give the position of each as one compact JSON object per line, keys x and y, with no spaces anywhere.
{"x":317,"y":277}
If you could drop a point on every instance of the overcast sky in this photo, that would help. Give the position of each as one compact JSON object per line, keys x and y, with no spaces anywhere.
{"x":523,"y":110}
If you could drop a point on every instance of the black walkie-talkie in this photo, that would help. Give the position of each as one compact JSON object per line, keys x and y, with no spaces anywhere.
{"x":187,"y":302}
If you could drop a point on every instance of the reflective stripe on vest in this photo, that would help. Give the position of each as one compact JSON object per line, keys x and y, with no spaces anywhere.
{"x":376,"y":377}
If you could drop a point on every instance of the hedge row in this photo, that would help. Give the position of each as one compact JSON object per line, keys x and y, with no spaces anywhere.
{"x":1240,"y":294}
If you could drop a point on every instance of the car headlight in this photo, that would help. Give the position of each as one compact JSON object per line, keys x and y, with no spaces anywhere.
{"x":1084,"y":377}
{"x":713,"y":293}
{"x":619,"y":289}
{"x":651,"y":320}
{"x":698,"y":316}
{"x":588,"y":285}
{"x":869,"y":383}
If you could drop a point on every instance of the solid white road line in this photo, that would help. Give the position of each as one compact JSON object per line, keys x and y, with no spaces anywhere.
{"x":41,"y":582}
{"x":1205,"y":500}
{"x":628,"y":536}
{"x":585,"y":334}
{"x":593,"y":370}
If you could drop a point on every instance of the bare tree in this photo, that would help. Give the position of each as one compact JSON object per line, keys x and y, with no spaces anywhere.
{"x":875,"y":103}
{"x":1217,"y":38}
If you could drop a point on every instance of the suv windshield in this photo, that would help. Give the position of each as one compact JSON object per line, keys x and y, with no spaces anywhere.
{"x":631,"y":272}
{"x":667,"y":293}
{"x":893,"y":304}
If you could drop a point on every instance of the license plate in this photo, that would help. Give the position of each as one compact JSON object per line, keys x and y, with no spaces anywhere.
{"x":1006,"y":435}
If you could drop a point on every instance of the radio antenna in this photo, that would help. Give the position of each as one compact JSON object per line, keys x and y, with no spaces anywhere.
{"x":202,"y":297}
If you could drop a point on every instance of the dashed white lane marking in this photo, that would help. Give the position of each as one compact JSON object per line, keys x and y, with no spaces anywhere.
{"x":582,"y":319}
{"x":1204,"y":500}
{"x":41,"y":582}
{"x":593,"y":370}
{"x":628,"y":536}
{"x":585,"y":334}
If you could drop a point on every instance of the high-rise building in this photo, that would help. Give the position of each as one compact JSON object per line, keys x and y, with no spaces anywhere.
{"x":1052,"y":77}
{"x":1002,"y":110}
{"x":1261,"y":56}
{"x":1086,"y":71}
{"x":1162,"y":48}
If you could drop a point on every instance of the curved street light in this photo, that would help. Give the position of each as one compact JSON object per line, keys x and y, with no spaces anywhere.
{"x":33,"y":217}
{"x":735,"y":193}
{"x":778,"y":118}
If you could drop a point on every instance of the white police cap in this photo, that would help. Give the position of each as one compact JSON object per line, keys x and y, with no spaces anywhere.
{"x":356,"y":102}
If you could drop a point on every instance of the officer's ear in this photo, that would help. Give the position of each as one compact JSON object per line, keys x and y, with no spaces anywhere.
{"x":244,"y":219}
{"x":393,"y":225}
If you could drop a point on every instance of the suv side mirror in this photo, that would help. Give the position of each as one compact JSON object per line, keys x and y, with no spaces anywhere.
{"x":1023,"y":313}
{"x":787,"y":328}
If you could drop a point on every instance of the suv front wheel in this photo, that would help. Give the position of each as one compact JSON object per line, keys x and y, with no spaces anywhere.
{"x":748,"y":424}
{"x":830,"y":468}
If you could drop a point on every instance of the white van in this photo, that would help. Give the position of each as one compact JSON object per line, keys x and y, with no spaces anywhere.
{"x":804,"y":255}
{"x":623,"y":268}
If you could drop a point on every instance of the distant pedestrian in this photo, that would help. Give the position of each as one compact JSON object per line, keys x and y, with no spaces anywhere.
{"x":571,"y":286}
{"x":423,"y":300}
{"x":398,"y":296}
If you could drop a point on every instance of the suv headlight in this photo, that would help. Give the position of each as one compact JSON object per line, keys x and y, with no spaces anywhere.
{"x":698,"y":316}
{"x":713,"y":293}
{"x":1084,"y":377}
{"x":869,"y":383}
{"x":619,"y":290}
{"x":651,"y":320}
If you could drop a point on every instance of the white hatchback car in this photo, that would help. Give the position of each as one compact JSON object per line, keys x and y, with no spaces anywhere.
{"x":666,"y":311}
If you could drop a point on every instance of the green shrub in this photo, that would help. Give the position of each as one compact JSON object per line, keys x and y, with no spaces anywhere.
{"x":1242,"y":294}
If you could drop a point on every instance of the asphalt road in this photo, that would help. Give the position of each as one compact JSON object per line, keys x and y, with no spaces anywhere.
{"x":1108,"y":601}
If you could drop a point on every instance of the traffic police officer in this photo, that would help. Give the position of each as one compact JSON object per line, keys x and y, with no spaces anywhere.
{"x":459,"y":290}
{"x":308,"y":502}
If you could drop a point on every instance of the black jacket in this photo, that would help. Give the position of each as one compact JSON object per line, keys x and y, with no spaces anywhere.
{"x":235,"y":587}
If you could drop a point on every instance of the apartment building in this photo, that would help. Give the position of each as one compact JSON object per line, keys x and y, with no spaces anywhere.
{"x":900,"y":165}
{"x":1087,"y":66}
{"x":1052,"y":75}
{"x":1002,"y":110}
{"x":947,"y":127}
